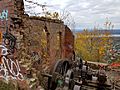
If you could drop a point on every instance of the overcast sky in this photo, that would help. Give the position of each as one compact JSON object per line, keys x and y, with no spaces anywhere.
{"x":86,"y":13}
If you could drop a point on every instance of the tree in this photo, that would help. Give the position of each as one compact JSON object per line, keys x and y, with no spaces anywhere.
{"x":92,"y":45}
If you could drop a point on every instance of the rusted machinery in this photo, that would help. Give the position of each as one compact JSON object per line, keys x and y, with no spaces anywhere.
{"x":66,"y":76}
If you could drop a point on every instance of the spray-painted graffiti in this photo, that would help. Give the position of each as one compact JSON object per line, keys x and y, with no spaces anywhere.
{"x":9,"y":40}
{"x":9,"y":67}
{"x":4,"y":15}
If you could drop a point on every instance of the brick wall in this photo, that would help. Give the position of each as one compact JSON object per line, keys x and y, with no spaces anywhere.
{"x":54,"y":27}
{"x":47,"y":26}
{"x":6,"y":11}
{"x":34,"y":42}
{"x":69,"y":43}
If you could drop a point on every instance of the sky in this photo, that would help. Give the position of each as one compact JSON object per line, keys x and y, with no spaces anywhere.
{"x":83,"y":13}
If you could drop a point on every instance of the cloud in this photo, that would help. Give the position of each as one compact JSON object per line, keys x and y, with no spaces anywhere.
{"x":87,"y":13}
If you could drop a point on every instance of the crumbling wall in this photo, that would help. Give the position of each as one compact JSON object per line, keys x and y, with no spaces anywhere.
{"x":11,"y":37}
{"x":69,"y":44}
{"x":36,"y":42}
{"x":8,"y":24}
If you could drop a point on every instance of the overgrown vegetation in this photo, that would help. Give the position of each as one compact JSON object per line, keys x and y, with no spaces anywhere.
{"x":5,"y":86}
{"x":92,"y":45}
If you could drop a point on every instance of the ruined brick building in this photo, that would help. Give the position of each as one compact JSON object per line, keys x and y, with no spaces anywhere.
{"x":32,"y":40}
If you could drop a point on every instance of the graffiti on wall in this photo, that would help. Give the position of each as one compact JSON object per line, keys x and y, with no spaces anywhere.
{"x":10,"y":41}
{"x":9,"y":67}
{"x":4,"y":15}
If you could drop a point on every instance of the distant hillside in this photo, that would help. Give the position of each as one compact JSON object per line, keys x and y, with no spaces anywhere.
{"x":113,"y":32}
{"x":116,"y":31}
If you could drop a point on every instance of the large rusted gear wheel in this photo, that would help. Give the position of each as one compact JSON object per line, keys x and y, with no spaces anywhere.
{"x":58,"y":73}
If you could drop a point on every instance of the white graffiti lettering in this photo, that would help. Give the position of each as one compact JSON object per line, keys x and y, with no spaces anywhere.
{"x":4,"y":51}
{"x":8,"y":67}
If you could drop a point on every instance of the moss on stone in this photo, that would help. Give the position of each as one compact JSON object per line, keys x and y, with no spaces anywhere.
{"x":5,"y":86}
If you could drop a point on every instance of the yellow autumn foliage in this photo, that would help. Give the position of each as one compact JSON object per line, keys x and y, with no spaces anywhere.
{"x":92,"y":45}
